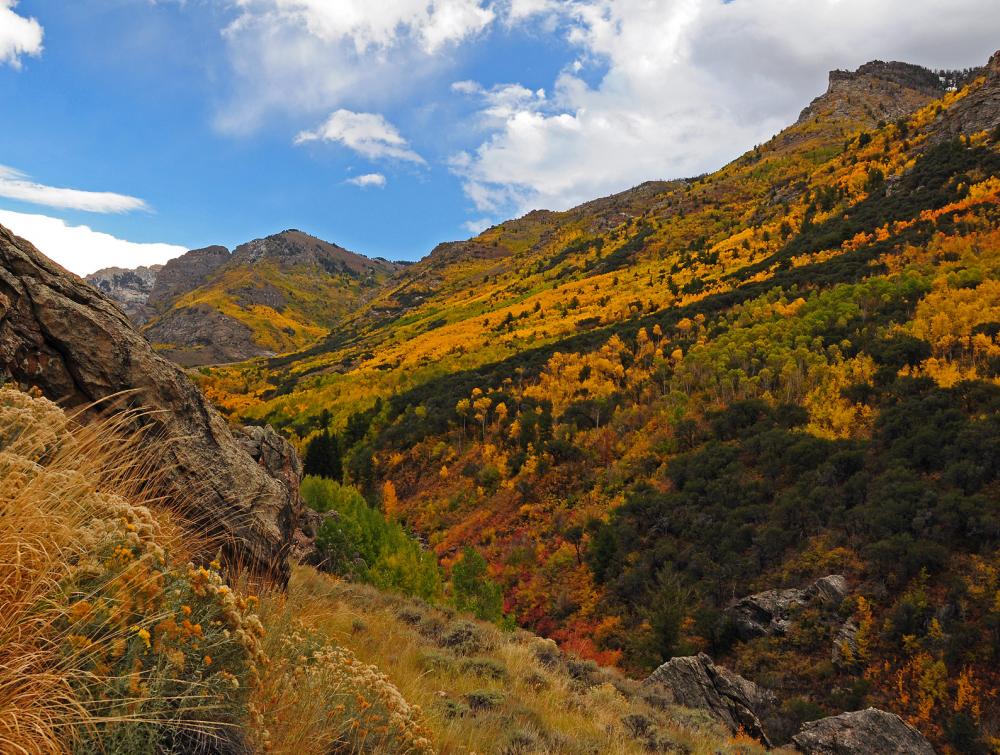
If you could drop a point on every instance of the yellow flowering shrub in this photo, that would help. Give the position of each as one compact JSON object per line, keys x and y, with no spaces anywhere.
{"x":322,"y":697}
{"x":144,"y":650}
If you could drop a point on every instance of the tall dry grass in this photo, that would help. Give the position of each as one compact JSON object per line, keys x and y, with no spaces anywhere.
{"x":479,"y":689}
{"x":83,"y":567}
{"x":46,"y":501}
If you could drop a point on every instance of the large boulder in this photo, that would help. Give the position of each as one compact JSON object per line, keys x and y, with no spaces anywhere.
{"x":696,"y":682}
{"x":78,"y":348}
{"x":863,"y":732}
{"x":770,"y":613}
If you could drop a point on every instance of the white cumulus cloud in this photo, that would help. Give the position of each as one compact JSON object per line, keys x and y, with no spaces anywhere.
{"x":19,"y":36}
{"x":313,"y":55}
{"x":686,"y":85}
{"x":16,"y":185}
{"x":81,"y":249}
{"x":367,"y":180}
{"x":368,"y":134}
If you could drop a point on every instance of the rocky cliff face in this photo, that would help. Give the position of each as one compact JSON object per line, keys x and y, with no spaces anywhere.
{"x":77,"y":347}
{"x":131,"y":289}
{"x":199,"y":335}
{"x":877,"y":91}
{"x":185,"y":273}
{"x":978,"y":111}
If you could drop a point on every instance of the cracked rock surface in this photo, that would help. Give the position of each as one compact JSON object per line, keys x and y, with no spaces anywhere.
{"x":59,"y":334}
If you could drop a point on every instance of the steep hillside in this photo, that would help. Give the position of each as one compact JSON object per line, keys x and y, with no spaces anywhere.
{"x":269,"y":296}
{"x":650,"y":405}
{"x":112,"y":641}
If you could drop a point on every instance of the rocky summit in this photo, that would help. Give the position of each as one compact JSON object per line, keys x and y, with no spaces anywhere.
{"x":270,"y":295}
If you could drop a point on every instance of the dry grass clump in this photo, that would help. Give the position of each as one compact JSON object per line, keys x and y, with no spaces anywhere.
{"x":483,"y":690}
{"x":318,"y":698}
{"x":110,"y":640}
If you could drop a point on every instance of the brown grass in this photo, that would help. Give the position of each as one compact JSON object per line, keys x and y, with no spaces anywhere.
{"x":480,"y":689}
{"x":57,"y":477}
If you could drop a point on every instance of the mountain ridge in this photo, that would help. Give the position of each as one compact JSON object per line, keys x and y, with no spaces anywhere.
{"x":268,"y":295}
{"x":644,"y":407}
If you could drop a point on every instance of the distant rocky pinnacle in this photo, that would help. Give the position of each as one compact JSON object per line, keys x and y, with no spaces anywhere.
{"x":905,"y":74}
{"x":877,"y":91}
{"x":65,"y":338}
{"x":130,"y":288}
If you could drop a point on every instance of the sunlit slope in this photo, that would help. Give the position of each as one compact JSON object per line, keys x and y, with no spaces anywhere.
{"x":273,"y":296}
{"x":535,"y":281}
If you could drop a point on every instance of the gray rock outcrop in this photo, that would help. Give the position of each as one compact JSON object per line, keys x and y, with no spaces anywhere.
{"x":185,"y":273}
{"x":200,"y":334}
{"x":862,"y":732}
{"x":130,"y":289}
{"x":876,"y":91}
{"x":78,"y":348}
{"x":845,"y":645}
{"x":696,"y":682}
{"x":770,"y":612}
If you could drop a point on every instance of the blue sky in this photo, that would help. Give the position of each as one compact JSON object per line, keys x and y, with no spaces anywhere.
{"x":389,"y":127}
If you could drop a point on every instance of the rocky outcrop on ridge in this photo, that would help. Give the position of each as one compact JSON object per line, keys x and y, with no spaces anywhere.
{"x":59,"y":334}
{"x":978,"y":111}
{"x":185,"y":273}
{"x":863,"y":732}
{"x":877,"y":91}
{"x":696,"y":682}
{"x":130,"y":289}
{"x":770,"y":612}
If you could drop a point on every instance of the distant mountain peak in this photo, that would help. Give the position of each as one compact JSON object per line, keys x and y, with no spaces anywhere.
{"x":908,"y":75}
{"x":876,"y":91}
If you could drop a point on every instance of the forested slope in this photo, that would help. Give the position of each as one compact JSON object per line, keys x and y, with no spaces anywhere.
{"x":653,"y":404}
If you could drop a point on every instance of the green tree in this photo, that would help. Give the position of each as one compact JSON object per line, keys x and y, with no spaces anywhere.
{"x":472,"y":588}
{"x":359,"y":543}
{"x":323,"y":457}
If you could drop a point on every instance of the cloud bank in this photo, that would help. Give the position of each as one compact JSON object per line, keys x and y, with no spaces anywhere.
{"x":651,"y":89}
{"x":82,"y":250}
{"x":308,"y":56}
